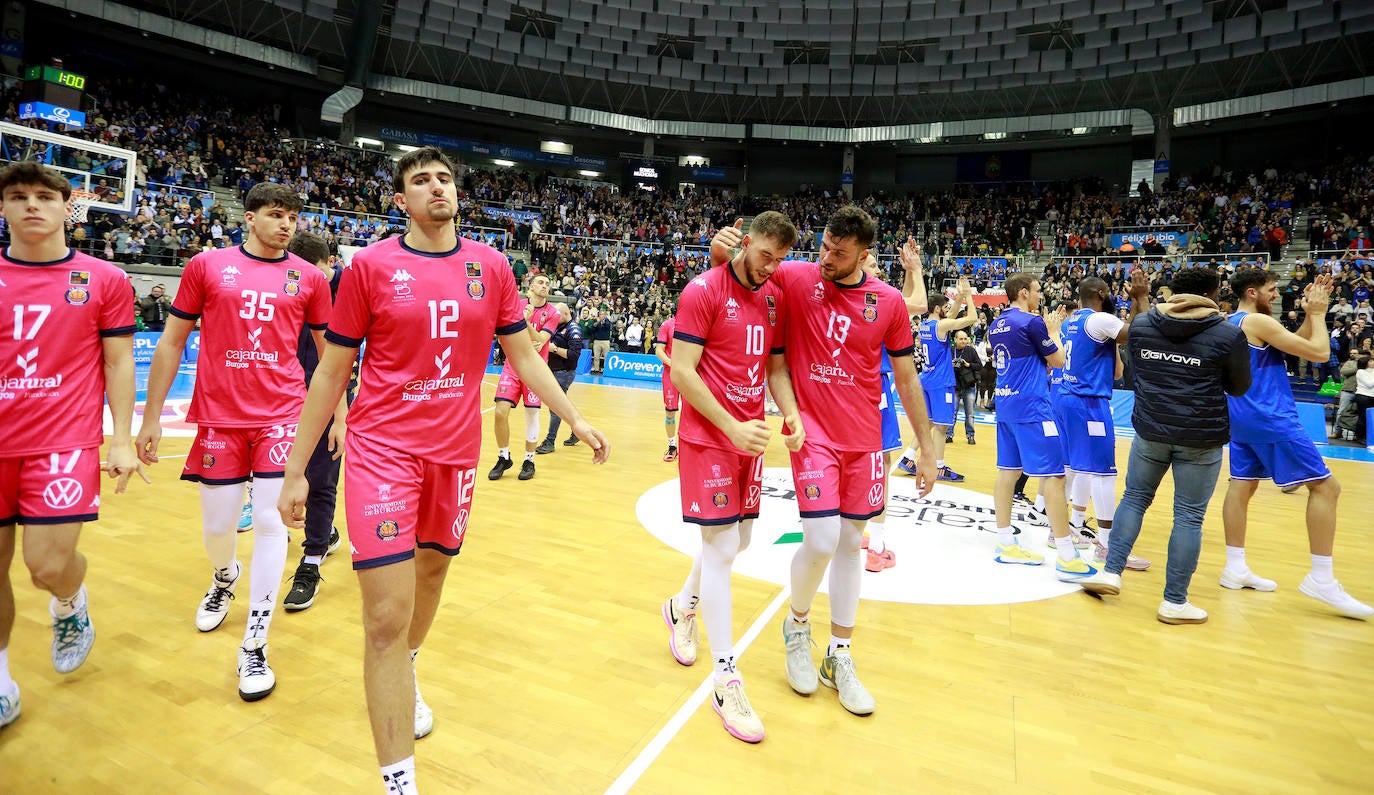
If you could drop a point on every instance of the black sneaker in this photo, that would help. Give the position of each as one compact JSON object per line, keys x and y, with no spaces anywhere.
{"x":971,"y":441}
{"x":1020,"y":498}
{"x":304,"y":585}
{"x":570,"y":441}
{"x":545,"y":447}
{"x":334,"y":541}
{"x":502,"y":464}
{"x":949,"y":440}
{"x":527,"y":470}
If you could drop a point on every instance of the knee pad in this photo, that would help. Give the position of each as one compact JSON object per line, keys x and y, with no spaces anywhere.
{"x":531,"y":425}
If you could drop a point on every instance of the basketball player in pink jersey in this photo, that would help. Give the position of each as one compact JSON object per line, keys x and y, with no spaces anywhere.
{"x":839,"y":320}
{"x":672,"y":399}
{"x":70,"y":347}
{"x":543,"y":319}
{"x":252,"y":301}
{"x":426,"y":304}
{"x":727,"y":341}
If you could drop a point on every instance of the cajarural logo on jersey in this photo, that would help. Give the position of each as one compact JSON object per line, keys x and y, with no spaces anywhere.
{"x":944,"y":544}
{"x":421,"y":389}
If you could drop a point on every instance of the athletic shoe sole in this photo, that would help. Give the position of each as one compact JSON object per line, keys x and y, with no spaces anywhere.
{"x":296,"y":608}
{"x":738,"y":735}
{"x":672,"y":637}
{"x":259,"y":696}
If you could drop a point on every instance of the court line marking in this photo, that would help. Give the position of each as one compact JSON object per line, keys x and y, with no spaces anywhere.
{"x":646,"y":757}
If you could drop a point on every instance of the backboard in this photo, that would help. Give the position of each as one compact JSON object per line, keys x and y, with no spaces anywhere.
{"x":99,"y":171}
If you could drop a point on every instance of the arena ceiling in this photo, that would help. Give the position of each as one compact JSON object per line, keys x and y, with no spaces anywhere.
{"x":824,"y":62}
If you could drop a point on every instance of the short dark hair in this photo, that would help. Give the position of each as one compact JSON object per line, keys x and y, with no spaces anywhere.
{"x":1196,"y":281}
{"x":1016,"y":283}
{"x":774,"y":225}
{"x":412,"y":160}
{"x":851,"y":221}
{"x":1091,"y":287}
{"x":1246,"y":278}
{"x":936,"y":300}
{"x":272,"y":194}
{"x":31,"y":172}
{"x":309,"y":247}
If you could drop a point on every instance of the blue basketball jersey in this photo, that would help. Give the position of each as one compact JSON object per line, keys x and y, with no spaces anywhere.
{"x":1020,"y":343}
{"x":885,"y":364}
{"x":939,"y":372}
{"x":1089,"y":364}
{"x":1267,"y":412}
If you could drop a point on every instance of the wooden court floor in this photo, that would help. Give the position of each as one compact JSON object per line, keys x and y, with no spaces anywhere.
{"x":548,"y":669}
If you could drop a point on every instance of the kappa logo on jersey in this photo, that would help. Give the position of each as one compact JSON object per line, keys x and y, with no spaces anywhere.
{"x":402,"y":275}
{"x":699,"y":281}
{"x":696,"y":508}
{"x":28,"y":362}
{"x":818,"y":295}
{"x":62,"y":494}
{"x":279,"y":453}
{"x":229,"y":276}
{"x":731,"y":309}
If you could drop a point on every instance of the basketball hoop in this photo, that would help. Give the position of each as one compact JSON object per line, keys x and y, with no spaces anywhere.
{"x":81,"y":205}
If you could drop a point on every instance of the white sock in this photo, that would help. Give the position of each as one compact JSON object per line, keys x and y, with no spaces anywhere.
{"x":672,"y":441}
{"x":269,"y":561}
{"x":1104,"y":535}
{"x":1235,"y":559}
{"x":724,"y":667}
{"x":399,"y":778}
{"x":504,"y":452}
{"x":1006,"y":536}
{"x":7,"y":683}
{"x":1065,"y":547}
{"x":1322,"y":569}
{"x":61,"y":608}
{"x":1040,"y":503}
{"x":800,"y":621}
{"x":314,"y":560}
{"x":939,"y":463}
{"x":836,"y":643}
{"x":875,"y":535}
{"x":910,"y":453}
{"x":529,"y":455}
{"x":1077,"y":517}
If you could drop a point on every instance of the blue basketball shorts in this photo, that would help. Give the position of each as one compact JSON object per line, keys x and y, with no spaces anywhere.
{"x":1088,"y":433}
{"x":1032,"y":447}
{"x":1288,"y":462}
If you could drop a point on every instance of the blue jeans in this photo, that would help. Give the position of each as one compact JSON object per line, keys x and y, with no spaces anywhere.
{"x":565,"y":380}
{"x":965,"y":398}
{"x":1195,"y":478}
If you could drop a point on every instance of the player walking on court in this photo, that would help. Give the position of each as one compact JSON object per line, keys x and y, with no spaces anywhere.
{"x":70,"y":348}
{"x":1023,"y":345}
{"x":252,"y":301}
{"x":672,"y":398}
{"x":426,"y":304}
{"x":838,"y":320}
{"x":937,"y":380}
{"x":543,"y":320}
{"x":1268,"y":440}
{"x":726,"y":342}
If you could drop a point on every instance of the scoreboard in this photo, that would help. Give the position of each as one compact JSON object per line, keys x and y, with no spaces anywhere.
{"x":54,"y":95}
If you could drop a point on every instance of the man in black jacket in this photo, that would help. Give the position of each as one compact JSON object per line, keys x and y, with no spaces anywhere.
{"x":1186,"y":360}
{"x":565,"y":348}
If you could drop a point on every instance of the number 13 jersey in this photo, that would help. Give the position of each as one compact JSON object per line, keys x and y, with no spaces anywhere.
{"x":428,"y":320}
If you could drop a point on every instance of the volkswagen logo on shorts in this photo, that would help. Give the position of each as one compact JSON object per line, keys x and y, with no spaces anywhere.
{"x":279,"y":453}
{"x":62,"y":494}
{"x":875,"y":495}
{"x":460,"y":526}
{"x":752,"y":501}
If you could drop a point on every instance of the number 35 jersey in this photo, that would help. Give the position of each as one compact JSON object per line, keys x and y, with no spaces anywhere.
{"x":251,"y":312}
{"x":835,"y":336}
{"x":427,"y":320}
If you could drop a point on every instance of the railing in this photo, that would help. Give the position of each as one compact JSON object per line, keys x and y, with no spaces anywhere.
{"x":1344,"y":256}
{"x":1157,"y":261}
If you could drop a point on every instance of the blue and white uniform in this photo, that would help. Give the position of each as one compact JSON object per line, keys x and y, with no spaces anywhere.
{"x":937,"y":380}
{"x":1085,"y":392}
{"x":887,"y":406}
{"x":1267,"y":438}
{"x":1027,"y":436}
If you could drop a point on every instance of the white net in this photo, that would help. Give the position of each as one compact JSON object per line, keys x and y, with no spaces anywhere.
{"x":81,"y":206}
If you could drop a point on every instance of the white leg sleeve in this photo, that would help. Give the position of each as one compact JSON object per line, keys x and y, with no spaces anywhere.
{"x":269,"y":558}
{"x":220,"y":507}
{"x":1104,"y":497}
{"x":846,"y":571}
{"x":1080,"y":489}
{"x":531,"y":425}
{"x":820,"y":536}
{"x":718,"y":548}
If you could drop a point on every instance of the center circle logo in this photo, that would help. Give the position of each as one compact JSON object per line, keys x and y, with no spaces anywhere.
{"x":943,"y":543}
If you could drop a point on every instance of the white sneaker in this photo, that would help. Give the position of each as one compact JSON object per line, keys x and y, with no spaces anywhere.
{"x":1235,"y":580}
{"x":256,"y":680}
{"x":72,"y":638}
{"x":1186,"y":613}
{"x":214,"y":608}
{"x":682,"y":632}
{"x":801,"y":670}
{"x":730,"y":703}
{"x":1333,"y":594}
{"x":1103,"y":582}
{"x":9,"y":707}
{"x":837,"y":671}
{"x":424,"y":716}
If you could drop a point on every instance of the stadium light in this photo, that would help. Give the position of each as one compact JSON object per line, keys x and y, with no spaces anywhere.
{"x":406,"y":147}
{"x":592,"y":174}
{"x":994,"y":136}
{"x":367,"y":141}
{"x":1080,"y":131}
{"x":505,"y":163}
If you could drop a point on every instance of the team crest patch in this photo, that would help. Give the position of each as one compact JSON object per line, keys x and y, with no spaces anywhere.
{"x":720,"y":499}
{"x":292,"y":288}
{"x":474,"y":269}
{"x":870,"y":313}
{"x":813,"y":492}
{"x":768,"y":299}
{"x":388,"y":530}
{"x":476,"y":290}
{"x":207,"y":461}
{"x":293,"y":275}
{"x":870,"y":299}
{"x":79,"y":278}
{"x":772,"y":317}
{"x":76,"y":296}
